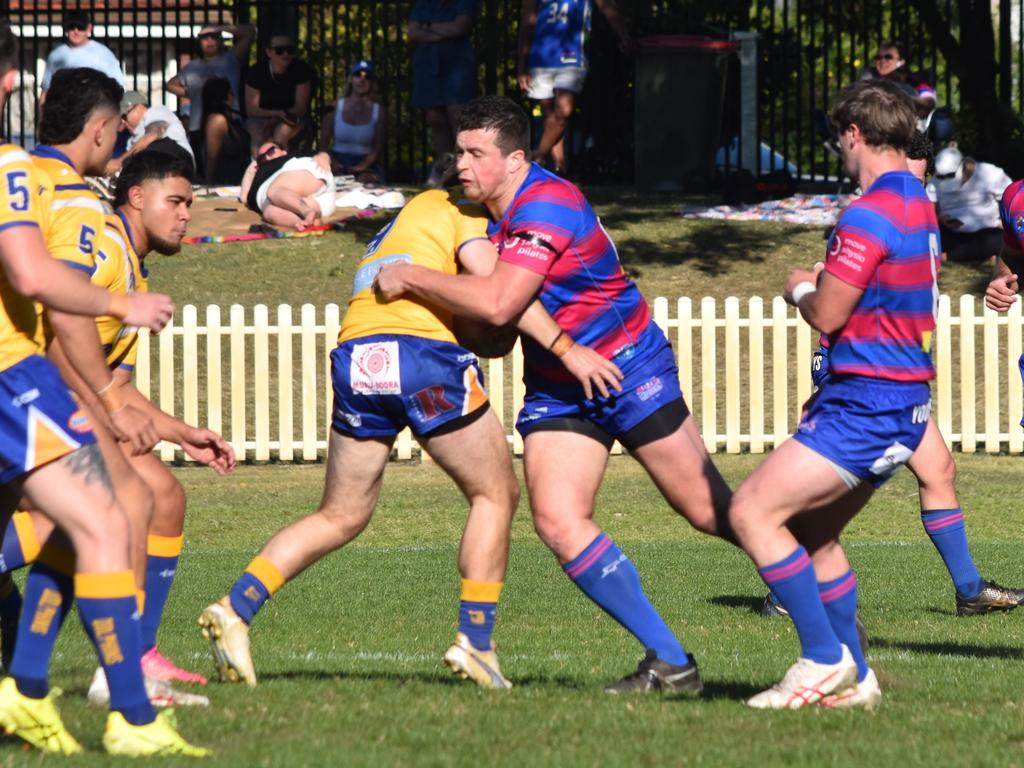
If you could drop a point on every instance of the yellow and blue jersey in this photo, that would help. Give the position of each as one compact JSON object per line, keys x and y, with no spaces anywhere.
{"x":429,"y":232}
{"x":75,"y":216}
{"x":23,"y":202}
{"x":119,"y":270}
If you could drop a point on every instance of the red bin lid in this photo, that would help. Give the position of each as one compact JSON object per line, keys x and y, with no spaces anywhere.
{"x":688,"y":42}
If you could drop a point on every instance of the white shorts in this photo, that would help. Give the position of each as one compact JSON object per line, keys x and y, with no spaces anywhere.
{"x":326,"y":197}
{"x":544,"y":81}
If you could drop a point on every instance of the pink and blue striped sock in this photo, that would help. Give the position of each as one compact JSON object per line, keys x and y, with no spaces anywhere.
{"x":608,"y":578}
{"x":793,"y":582}
{"x":945,"y":527}
{"x":839,"y":596}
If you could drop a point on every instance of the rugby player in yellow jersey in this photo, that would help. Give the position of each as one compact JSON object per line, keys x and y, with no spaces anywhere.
{"x":153,"y":195}
{"x":400,"y":364}
{"x":49,"y":455}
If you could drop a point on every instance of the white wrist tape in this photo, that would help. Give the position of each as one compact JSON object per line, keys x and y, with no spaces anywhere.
{"x":802,"y":289}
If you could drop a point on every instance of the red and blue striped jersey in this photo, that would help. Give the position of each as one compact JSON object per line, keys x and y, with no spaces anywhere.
{"x":887,"y":243}
{"x":1011,"y":211}
{"x":550,"y":229}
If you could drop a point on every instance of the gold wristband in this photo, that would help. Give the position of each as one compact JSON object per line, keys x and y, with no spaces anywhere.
{"x":120,"y":305}
{"x":110,"y":396}
{"x":562,"y":344}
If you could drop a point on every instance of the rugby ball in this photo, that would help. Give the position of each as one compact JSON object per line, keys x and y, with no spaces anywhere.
{"x":484,"y":339}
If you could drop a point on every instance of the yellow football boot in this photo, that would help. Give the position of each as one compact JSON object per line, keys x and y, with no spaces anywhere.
{"x":473,"y":664}
{"x":36,"y":721}
{"x":157,"y":738}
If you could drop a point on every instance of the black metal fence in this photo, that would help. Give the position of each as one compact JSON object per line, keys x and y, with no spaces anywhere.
{"x":808,"y":49}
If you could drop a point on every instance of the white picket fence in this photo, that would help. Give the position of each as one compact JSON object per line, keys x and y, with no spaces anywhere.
{"x":744,"y":367}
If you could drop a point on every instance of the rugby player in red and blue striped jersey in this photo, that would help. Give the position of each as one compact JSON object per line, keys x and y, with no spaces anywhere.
{"x":1002,"y":291}
{"x":552,"y":246}
{"x":875,"y":300}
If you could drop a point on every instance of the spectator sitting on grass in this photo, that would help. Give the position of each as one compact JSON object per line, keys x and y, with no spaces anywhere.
{"x":966,"y":194}
{"x":355,"y":130}
{"x":146,"y":125}
{"x":277,"y":95}
{"x":225,"y":140}
{"x":289,"y":190}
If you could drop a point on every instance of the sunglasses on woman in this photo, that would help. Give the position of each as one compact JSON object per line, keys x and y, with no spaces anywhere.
{"x":75,"y":26}
{"x":281,"y":50}
{"x":262,"y":157}
{"x":885,"y":57}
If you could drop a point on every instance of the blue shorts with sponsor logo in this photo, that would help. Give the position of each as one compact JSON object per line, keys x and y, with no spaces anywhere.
{"x":651,"y":381}
{"x":387,"y":382}
{"x":39,"y":419}
{"x":869,"y":427}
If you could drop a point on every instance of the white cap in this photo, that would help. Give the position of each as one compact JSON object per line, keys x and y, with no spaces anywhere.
{"x":948,"y":161}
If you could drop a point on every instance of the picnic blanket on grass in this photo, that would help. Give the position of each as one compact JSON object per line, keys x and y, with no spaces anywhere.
{"x":220,"y":220}
{"x":813,"y":210}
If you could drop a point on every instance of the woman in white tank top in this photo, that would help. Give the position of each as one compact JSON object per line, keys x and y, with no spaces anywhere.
{"x":354,"y":134}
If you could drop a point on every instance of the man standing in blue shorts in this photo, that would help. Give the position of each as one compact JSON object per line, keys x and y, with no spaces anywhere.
{"x":875,"y":299}
{"x":553,"y":62}
{"x":552,"y":246}
{"x":400,"y":364}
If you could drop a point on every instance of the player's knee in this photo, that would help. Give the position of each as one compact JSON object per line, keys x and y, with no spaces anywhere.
{"x":344,"y":521}
{"x":743,"y":515}
{"x":553,"y":529}
{"x":941,"y":475}
{"x":137,"y":501}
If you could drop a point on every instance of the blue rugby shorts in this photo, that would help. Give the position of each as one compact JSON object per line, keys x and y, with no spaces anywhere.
{"x":384,"y":383}
{"x":40,"y":421}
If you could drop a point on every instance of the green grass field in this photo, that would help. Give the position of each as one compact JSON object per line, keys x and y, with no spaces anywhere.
{"x":349,"y":654}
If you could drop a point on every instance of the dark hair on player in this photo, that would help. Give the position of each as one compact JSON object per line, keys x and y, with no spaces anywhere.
{"x":8,"y":48}
{"x":920,"y":148}
{"x":150,"y":165}
{"x":499,"y":114}
{"x":74,"y":96}
{"x":882,"y":110}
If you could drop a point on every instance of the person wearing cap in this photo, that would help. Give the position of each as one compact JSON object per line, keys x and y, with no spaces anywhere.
{"x":278,"y":90}
{"x":146,"y":125}
{"x":966,"y":193}
{"x":214,"y":60}
{"x":80,"y":50}
{"x":355,"y":135}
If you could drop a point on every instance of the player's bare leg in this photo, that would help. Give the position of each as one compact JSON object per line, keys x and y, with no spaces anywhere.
{"x":680,"y":466}
{"x":556,"y":112}
{"x":355,"y":470}
{"x":563,"y":472}
{"x":935,"y":470}
{"x":476,"y":457}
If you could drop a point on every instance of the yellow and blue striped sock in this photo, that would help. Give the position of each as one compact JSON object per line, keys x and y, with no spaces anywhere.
{"x":20,"y":545}
{"x":108,"y":607}
{"x":477,"y":609}
{"x":162,"y":554}
{"x":259,"y":582}
{"x":49,"y":591}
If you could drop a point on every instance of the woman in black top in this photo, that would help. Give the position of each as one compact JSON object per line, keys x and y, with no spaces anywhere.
{"x":278,"y":90}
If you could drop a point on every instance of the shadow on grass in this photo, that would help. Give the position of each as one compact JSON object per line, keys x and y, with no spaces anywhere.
{"x":429,"y":678}
{"x":752,"y":604}
{"x":713,"y":247}
{"x":949,"y":649}
{"x":723,"y":689}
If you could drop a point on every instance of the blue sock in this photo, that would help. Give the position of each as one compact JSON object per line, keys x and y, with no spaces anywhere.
{"x":839,"y":596}
{"x":108,"y":608}
{"x":162,"y":554}
{"x":792,"y":580}
{"x":48,"y":597}
{"x":20,"y":545}
{"x":945,"y":527}
{"x":10,"y":598}
{"x":260,"y":580}
{"x":608,"y":578}
{"x":477,"y":609}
